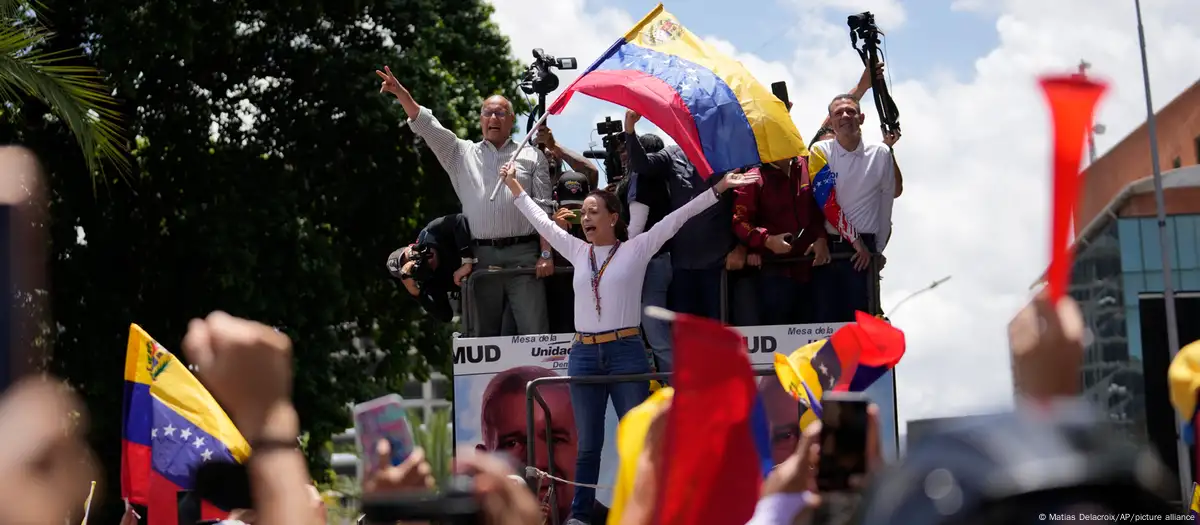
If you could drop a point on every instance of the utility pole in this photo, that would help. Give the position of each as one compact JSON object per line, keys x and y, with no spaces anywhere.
{"x":1164,"y":242}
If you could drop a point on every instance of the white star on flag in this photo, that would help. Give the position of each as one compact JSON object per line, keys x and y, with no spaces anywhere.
{"x":169,"y":430}
{"x":153,"y":432}
{"x":185,"y":434}
{"x":206,"y":455}
{"x":198,"y":443}
{"x":824,"y":371}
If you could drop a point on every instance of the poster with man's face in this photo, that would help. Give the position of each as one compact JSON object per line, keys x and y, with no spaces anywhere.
{"x":490,"y":378}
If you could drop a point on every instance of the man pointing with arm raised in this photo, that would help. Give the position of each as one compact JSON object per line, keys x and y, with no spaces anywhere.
{"x":503,"y":237}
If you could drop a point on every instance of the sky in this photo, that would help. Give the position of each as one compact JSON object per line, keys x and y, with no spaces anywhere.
{"x":975,"y":150}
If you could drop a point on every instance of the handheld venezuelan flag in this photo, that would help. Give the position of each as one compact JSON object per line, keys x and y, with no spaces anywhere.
{"x":716,"y":111}
{"x":717,"y":432}
{"x":881,"y":346}
{"x":824,"y":184}
{"x":172,"y":425}
{"x":852,"y":359}
{"x":818,"y":367}
{"x":631,"y":439}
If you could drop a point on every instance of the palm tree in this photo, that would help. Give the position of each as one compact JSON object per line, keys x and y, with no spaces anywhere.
{"x":76,"y":94}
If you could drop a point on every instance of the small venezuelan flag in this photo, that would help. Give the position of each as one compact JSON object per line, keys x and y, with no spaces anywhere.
{"x":716,"y":111}
{"x":172,"y":425}
{"x":852,"y":359}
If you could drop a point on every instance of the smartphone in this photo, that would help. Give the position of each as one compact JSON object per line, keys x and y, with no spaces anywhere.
{"x":381,"y":418}
{"x":574,"y":217}
{"x":780,"y":91}
{"x":843,"y":460}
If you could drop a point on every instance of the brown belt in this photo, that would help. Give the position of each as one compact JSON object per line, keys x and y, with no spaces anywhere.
{"x":607,"y":337}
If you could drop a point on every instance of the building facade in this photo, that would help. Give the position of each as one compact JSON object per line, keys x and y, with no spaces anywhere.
{"x":1117,"y":276}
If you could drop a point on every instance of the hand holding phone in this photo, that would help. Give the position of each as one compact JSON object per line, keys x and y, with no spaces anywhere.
{"x":382,"y":418}
{"x":845,"y":442}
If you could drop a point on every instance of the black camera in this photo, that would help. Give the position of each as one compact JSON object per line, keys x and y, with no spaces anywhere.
{"x":422,"y":256}
{"x":538,"y":78}
{"x":862,"y":22}
{"x":612,"y":136}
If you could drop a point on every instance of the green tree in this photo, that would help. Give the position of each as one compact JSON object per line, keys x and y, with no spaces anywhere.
{"x":270,"y":180}
{"x":31,"y":67}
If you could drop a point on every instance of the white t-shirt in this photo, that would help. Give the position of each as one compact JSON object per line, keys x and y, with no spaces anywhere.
{"x":866,"y":185}
{"x":621,"y":283}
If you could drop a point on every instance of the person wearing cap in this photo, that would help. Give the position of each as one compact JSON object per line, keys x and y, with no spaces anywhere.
{"x":429,"y":278}
{"x":569,"y":192}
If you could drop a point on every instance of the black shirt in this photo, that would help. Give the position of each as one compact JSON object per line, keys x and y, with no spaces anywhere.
{"x":704,"y":240}
{"x":650,"y":190}
{"x":450,"y":237}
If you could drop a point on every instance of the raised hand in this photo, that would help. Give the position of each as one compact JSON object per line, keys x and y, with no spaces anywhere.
{"x":390,"y":84}
{"x":737,"y":180}
{"x":631,"y":118}
{"x":248,"y":367}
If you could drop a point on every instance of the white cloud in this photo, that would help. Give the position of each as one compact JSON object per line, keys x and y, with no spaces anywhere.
{"x":975,"y":153}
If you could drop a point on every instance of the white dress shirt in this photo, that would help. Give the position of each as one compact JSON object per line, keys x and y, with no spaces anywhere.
{"x":621,"y":284}
{"x":474,"y":168}
{"x":866,"y":186}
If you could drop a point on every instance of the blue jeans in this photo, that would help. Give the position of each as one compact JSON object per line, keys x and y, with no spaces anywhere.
{"x":654,"y":293}
{"x":623,"y":356}
{"x":697,"y":292}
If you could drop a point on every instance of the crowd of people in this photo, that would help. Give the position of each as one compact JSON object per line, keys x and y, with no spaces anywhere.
{"x":1048,"y":458}
{"x":800,"y":246}
{"x":653,"y":237}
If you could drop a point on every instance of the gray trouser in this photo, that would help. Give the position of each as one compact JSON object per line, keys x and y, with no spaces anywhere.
{"x":525,"y":295}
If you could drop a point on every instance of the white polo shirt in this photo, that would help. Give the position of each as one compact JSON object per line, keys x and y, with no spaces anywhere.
{"x":866,"y":185}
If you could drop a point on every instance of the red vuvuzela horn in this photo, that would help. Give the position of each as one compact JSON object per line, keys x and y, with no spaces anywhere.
{"x":1072,"y":104}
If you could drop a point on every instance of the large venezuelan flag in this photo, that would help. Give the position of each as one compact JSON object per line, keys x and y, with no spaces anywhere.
{"x":716,"y":111}
{"x":717,"y":437}
{"x":172,"y":425}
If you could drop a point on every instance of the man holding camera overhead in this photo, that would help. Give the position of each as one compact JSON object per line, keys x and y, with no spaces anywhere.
{"x":428,"y":267}
{"x":503,"y":238}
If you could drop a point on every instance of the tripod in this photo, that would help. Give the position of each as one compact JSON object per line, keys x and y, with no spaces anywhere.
{"x":889,"y":115}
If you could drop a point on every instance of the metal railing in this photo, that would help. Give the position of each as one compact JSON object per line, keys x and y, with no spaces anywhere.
{"x":469,"y":309}
{"x":532,"y":394}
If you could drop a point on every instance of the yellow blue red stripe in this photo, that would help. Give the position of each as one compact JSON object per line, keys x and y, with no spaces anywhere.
{"x":717,"y":112}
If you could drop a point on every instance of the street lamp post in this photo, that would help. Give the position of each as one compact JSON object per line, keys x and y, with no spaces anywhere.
{"x":1094,"y":129}
{"x":1163,"y":241}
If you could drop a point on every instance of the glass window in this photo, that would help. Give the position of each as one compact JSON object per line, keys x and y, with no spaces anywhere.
{"x":1112,"y":379}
